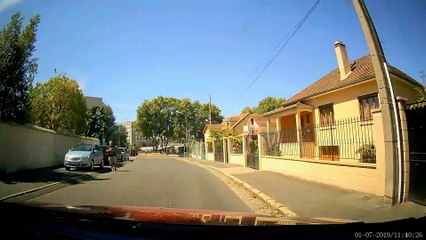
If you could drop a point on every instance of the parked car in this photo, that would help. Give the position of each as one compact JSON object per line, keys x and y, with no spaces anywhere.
{"x":124,"y":153}
{"x":84,"y":155}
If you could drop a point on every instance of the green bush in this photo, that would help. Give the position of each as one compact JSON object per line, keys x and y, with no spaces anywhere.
{"x":367,"y":153}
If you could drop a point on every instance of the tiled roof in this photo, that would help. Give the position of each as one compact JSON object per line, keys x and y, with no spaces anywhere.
{"x":234,"y":120}
{"x":212,"y":126}
{"x":361,"y":70}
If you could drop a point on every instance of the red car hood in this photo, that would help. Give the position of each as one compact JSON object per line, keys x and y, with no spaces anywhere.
{"x":168,"y":215}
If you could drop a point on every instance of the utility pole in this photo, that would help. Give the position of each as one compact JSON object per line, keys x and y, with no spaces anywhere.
{"x":390,"y":117}
{"x":210,"y":108}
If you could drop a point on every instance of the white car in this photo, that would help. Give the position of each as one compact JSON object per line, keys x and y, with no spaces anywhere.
{"x":84,"y":155}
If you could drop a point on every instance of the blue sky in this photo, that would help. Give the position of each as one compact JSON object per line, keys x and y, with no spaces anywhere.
{"x":128,"y":51}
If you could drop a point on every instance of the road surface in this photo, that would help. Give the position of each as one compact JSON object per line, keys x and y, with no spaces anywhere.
{"x":151,"y":181}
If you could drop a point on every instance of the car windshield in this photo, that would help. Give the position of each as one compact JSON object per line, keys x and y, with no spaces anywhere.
{"x":82,"y":147}
{"x":281,"y":108}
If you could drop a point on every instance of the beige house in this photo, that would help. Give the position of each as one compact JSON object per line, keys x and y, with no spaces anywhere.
{"x":330,"y":132}
{"x":219,"y":150}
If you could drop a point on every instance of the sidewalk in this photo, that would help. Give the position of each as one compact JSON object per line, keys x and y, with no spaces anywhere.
{"x":315,"y":200}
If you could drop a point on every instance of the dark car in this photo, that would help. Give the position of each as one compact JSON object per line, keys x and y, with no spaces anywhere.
{"x":104,"y":148}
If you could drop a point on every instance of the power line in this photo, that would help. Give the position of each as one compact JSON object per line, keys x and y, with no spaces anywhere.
{"x":280,"y":46}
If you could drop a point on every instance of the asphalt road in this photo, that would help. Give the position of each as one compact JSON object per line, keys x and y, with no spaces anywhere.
{"x":154,"y":182}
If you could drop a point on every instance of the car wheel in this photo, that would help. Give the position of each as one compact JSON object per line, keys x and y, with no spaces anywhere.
{"x":102,"y":164}
{"x":92,"y":166}
{"x":67,"y":168}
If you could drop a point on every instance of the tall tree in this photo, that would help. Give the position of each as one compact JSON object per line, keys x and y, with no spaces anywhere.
{"x":99,"y":119}
{"x":117,"y":134}
{"x":268,"y":104}
{"x":265,"y":105}
{"x":59,"y":104}
{"x":164,"y":118}
{"x":247,"y":109}
{"x":17,"y":68}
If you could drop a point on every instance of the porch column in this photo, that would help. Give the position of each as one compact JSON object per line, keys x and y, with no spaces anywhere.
{"x":260,"y":149}
{"x":267,"y":130}
{"x":224,"y":150}
{"x":244,"y":151}
{"x":405,"y":148}
{"x":299,"y":138}
{"x":278,"y":124}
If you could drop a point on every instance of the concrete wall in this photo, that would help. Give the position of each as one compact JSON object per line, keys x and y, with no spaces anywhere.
{"x":237,"y":159}
{"x":362,"y":179}
{"x":28,"y":147}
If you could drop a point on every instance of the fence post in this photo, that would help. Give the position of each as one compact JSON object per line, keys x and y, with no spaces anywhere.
{"x":244,"y":150}
{"x":405,"y":147}
{"x":260,"y":149}
{"x":379,"y":141}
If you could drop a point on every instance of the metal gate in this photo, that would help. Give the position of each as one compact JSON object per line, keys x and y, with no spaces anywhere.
{"x":218,"y":151}
{"x":416,"y":124}
{"x":252,"y":152}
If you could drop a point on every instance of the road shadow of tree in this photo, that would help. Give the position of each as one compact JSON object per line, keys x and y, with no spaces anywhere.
{"x":53,"y":174}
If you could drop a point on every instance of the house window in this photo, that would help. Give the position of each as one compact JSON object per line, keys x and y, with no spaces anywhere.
{"x":366,"y":105}
{"x":326,"y":115}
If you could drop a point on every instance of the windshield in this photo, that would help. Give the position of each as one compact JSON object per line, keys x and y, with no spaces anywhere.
{"x":82,"y":147}
{"x":289,"y":109}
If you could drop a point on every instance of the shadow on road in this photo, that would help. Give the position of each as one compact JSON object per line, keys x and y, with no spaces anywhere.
{"x":53,"y":174}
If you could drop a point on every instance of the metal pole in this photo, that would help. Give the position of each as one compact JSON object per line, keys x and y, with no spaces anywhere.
{"x":390,"y":117}
{"x":210,"y":109}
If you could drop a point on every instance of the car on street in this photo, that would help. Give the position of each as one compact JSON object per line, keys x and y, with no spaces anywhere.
{"x":84,"y":155}
{"x":124,"y":153}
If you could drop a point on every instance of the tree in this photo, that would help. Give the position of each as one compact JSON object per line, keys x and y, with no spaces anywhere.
{"x":154,"y":118}
{"x":268,"y":104}
{"x":17,"y":68}
{"x":59,"y":104}
{"x":99,"y":119}
{"x":265,"y":105}
{"x":117,"y":134}
{"x":247,"y":109}
{"x":164,"y":118}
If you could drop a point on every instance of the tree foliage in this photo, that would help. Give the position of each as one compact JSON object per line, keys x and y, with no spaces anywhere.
{"x":99,"y":119}
{"x":117,"y":134}
{"x":247,"y":109}
{"x":265,"y":105}
{"x":164,"y":118}
{"x":59,"y":104}
{"x":17,"y":68}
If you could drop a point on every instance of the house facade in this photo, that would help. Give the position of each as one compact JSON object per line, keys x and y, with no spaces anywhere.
{"x":331,"y":131}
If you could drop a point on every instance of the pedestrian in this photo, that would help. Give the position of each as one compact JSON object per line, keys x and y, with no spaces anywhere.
{"x":111,"y":153}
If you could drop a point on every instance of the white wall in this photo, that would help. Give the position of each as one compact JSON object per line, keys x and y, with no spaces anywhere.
{"x":24,"y":147}
{"x":348,"y":177}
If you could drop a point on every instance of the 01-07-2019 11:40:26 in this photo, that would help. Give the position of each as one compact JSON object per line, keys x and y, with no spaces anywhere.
{"x":402,"y":235}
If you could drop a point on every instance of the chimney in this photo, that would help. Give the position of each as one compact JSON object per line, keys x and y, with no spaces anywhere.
{"x":342,"y":59}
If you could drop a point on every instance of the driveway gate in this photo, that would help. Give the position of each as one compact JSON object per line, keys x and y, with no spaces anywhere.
{"x":252,"y":152}
{"x":416,"y":124}
{"x":218,"y":151}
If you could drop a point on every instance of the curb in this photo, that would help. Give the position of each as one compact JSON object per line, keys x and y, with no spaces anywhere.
{"x":284,"y":210}
{"x":28,"y":191}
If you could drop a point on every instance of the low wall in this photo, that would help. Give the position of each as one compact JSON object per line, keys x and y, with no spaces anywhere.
{"x":210,"y":156}
{"x":362,"y":178}
{"x":237,"y":159}
{"x":25,"y":147}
